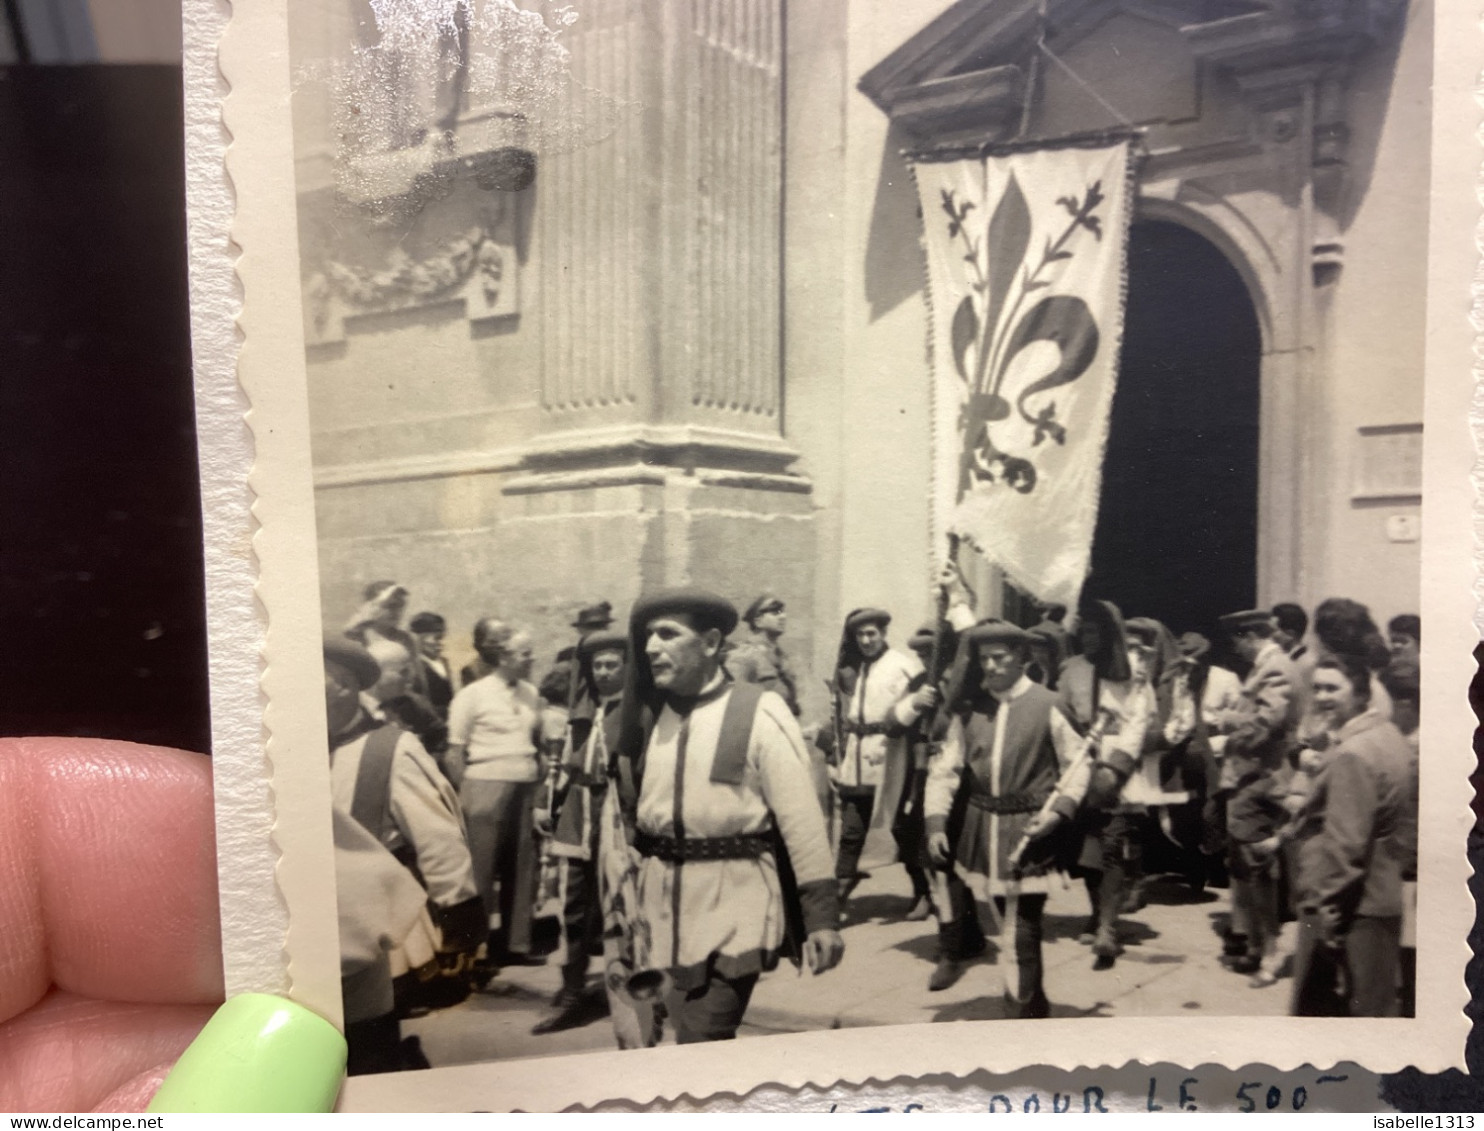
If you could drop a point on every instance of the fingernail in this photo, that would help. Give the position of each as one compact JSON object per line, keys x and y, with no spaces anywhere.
{"x":257,"y":1053}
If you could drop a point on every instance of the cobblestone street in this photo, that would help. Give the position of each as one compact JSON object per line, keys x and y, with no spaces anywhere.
{"x":1171,"y":967}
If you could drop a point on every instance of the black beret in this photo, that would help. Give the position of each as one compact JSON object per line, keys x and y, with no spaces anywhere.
{"x":997,"y":632}
{"x":706,"y":609}
{"x":858,"y":619}
{"x":922,"y":640}
{"x":606,"y":641}
{"x":354,"y":659}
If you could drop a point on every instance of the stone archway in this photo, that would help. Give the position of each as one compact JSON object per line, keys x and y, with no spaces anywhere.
{"x":1177,"y":534}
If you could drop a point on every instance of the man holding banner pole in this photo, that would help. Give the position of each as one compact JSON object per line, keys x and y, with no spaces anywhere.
{"x":1008,"y":758}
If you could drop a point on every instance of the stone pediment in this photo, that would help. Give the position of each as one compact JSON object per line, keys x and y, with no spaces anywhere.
{"x":969,"y":68}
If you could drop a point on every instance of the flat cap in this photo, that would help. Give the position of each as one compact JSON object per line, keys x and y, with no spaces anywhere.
{"x":997,"y":632}
{"x":605,"y":641}
{"x":594,"y":616}
{"x":859,"y":618}
{"x":1247,"y":620}
{"x":763,"y":603}
{"x":705,"y":608}
{"x":355,"y":659}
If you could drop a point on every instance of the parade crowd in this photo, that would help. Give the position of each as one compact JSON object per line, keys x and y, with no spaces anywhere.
{"x":655,"y":800}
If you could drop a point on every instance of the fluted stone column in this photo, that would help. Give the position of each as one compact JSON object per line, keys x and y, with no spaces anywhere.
{"x":660,"y":445}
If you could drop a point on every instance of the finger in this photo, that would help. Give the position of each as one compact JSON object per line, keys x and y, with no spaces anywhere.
{"x":71,"y":1053}
{"x":107,"y":873}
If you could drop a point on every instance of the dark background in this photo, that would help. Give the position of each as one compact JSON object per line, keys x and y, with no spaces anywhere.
{"x":102,"y":602}
{"x":101,"y":592}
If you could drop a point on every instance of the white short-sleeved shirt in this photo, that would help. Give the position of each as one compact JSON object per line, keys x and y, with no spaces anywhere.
{"x":497,"y":723}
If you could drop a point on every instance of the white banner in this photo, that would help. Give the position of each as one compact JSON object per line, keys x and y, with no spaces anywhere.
{"x":1025,"y":256}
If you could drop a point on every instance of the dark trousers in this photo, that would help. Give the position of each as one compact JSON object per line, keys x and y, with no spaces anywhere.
{"x":1254,"y":887}
{"x":582,"y":919}
{"x":910,"y":832}
{"x":961,"y":937}
{"x":856,"y":804}
{"x":502,"y":844}
{"x":711,"y":1012}
{"x":373,"y":1045}
{"x":1358,"y":979}
{"x":1112,"y":860}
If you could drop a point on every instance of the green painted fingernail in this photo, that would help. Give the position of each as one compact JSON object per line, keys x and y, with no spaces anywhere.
{"x":257,"y":1053}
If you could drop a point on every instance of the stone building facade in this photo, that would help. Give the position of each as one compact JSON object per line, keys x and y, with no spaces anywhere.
{"x":693,"y":347}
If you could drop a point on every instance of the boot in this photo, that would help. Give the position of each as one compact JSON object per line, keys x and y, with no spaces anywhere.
{"x":1105,"y":947}
{"x":947,"y":972}
{"x":570,"y":1009}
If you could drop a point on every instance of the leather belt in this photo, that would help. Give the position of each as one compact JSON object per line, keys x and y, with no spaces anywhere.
{"x":673,"y":850}
{"x":863,"y":729}
{"x":1009,"y":802}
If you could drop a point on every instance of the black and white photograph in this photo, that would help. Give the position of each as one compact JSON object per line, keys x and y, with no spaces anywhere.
{"x":836,"y":514}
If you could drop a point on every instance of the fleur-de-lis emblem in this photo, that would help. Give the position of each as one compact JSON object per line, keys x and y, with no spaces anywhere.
{"x":1004,"y":284}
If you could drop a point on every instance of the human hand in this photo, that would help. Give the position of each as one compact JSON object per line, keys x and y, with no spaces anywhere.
{"x":1042,"y":823}
{"x":938,"y":848}
{"x":110,"y":946}
{"x":952,"y":586}
{"x":1103,"y":789}
{"x":823,"y":950}
{"x":925,"y":698}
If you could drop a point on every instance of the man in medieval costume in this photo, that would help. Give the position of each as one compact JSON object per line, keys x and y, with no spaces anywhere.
{"x":1111,"y":692}
{"x":1009,"y":765}
{"x":871,"y":766}
{"x":601,"y":658}
{"x":733,"y":864}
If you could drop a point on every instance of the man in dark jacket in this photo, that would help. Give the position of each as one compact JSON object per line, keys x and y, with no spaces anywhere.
{"x":1261,"y":736}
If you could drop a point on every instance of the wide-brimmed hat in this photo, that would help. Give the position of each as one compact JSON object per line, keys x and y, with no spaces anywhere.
{"x":594,"y":616}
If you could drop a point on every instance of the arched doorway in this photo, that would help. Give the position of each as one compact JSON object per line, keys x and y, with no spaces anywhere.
{"x":1176,"y":534}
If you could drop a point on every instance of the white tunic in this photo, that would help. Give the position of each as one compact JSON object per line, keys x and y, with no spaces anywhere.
{"x":729,"y":911}
{"x":882,"y":684}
